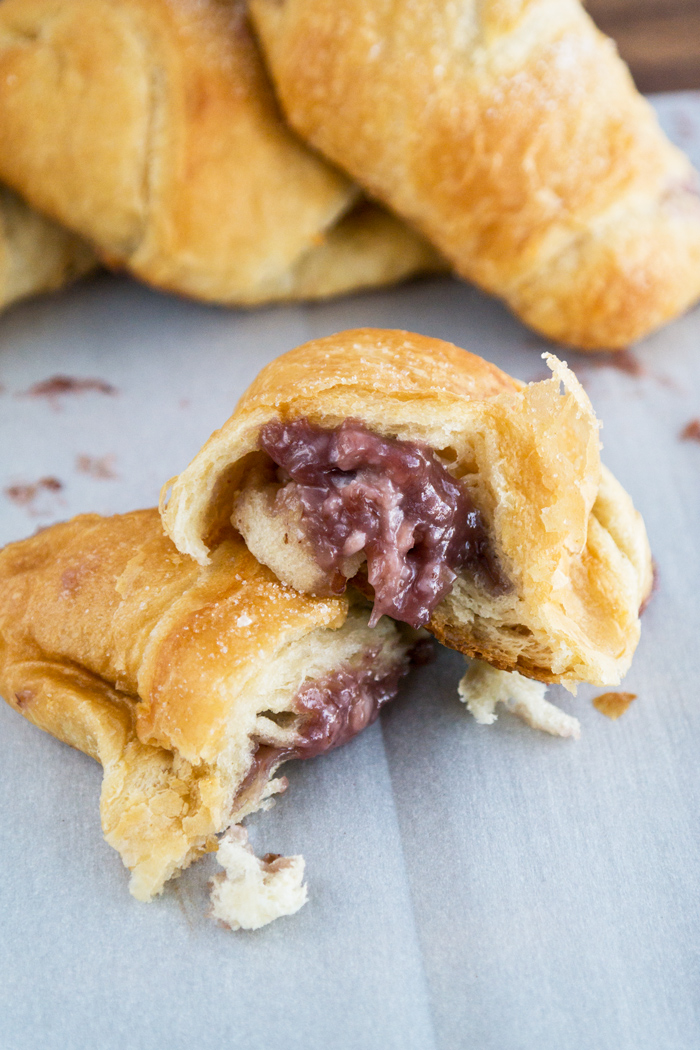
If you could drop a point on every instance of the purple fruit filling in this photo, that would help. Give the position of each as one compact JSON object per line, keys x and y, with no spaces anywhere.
{"x":391,"y":499}
{"x":331,"y":711}
{"x":340,"y":705}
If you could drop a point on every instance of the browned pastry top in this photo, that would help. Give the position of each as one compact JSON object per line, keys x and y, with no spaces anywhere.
{"x":511,"y":134}
{"x":381,"y":361}
{"x":114,"y":597}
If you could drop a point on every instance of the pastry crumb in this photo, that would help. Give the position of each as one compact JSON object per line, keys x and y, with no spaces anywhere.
{"x":483,"y":687}
{"x":253,"y":891}
{"x":691,"y":431}
{"x":612,"y":705}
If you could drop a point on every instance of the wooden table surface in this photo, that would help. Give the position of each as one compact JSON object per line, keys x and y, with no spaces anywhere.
{"x":659,"y":39}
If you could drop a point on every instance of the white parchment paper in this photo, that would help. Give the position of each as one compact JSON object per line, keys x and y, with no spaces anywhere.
{"x":471,"y":886}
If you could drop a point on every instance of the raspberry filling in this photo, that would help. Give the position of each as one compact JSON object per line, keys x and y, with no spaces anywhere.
{"x":391,"y":499}
{"x":332,"y":710}
{"x":340,"y":705}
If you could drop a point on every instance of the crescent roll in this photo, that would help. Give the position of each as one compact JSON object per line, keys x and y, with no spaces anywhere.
{"x":190,"y":684}
{"x":149,"y":127}
{"x":460,"y":498}
{"x":36,"y":255}
{"x":511,"y":134}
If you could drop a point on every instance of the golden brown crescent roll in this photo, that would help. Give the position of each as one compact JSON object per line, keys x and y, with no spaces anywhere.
{"x":478,"y":503}
{"x":511,"y":134}
{"x":150,"y":128}
{"x":36,"y":255}
{"x":190,"y":685}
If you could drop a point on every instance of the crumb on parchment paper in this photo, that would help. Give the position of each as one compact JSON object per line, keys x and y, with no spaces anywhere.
{"x":483,"y":687}
{"x":691,"y":431}
{"x":253,"y":891}
{"x":56,"y":387}
{"x":612,"y":705}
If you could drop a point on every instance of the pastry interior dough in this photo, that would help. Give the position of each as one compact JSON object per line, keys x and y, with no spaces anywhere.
{"x":149,"y":127}
{"x":253,"y":891}
{"x":183,"y":681}
{"x":36,"y":255}
{"x":511,"y":134}
{"x":564,"y":532}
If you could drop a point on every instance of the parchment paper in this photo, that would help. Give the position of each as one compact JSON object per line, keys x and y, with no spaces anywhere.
{"x":471,"y":886}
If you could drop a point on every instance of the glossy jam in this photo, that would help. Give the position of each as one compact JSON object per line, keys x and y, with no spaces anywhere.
{"x":340,"y":705}
{"x":391,"y":499}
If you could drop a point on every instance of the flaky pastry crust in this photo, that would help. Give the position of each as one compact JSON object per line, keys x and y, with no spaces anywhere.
{"x":36,"y":255}
{"x":565,"y":532}
{"x":149,"y":127}
{"x":510,"y":133}
{"x":177,"y":678}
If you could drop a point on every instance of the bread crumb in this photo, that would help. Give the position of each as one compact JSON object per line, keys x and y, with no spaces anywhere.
{"x":612,"y":705}
{"x":691,"y":431}
{"x":251,"y":892}
{"x":484,"y":686}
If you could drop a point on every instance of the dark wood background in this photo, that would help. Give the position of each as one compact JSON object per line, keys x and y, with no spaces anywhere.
{"x":659,"y":39}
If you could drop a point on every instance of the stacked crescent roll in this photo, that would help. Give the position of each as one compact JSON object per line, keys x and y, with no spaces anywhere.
{"x":507,"y":133}
{"x":149,"y":128}
{"x":510,"y":133}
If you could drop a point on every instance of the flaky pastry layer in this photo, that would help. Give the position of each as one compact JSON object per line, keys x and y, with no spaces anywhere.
{"x":564,"y":531}
{"x":182,"y":680}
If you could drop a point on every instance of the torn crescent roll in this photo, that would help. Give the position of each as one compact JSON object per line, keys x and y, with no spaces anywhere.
{"x":190,"y":685}
{"x":36,"y":255}
{"x":150,"y":128}
{"x":511,"y":134}
{"x":461,"y":498}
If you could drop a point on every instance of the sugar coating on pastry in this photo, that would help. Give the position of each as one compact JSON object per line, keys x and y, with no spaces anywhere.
{"x":36,"y":254}
{"x":253,"y":891}
{"x":511,"y":134}
{"x":484,"y":687}
{"x":190,"y":685}
{"x":150,"y":128}
{"x":461,"y":499}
